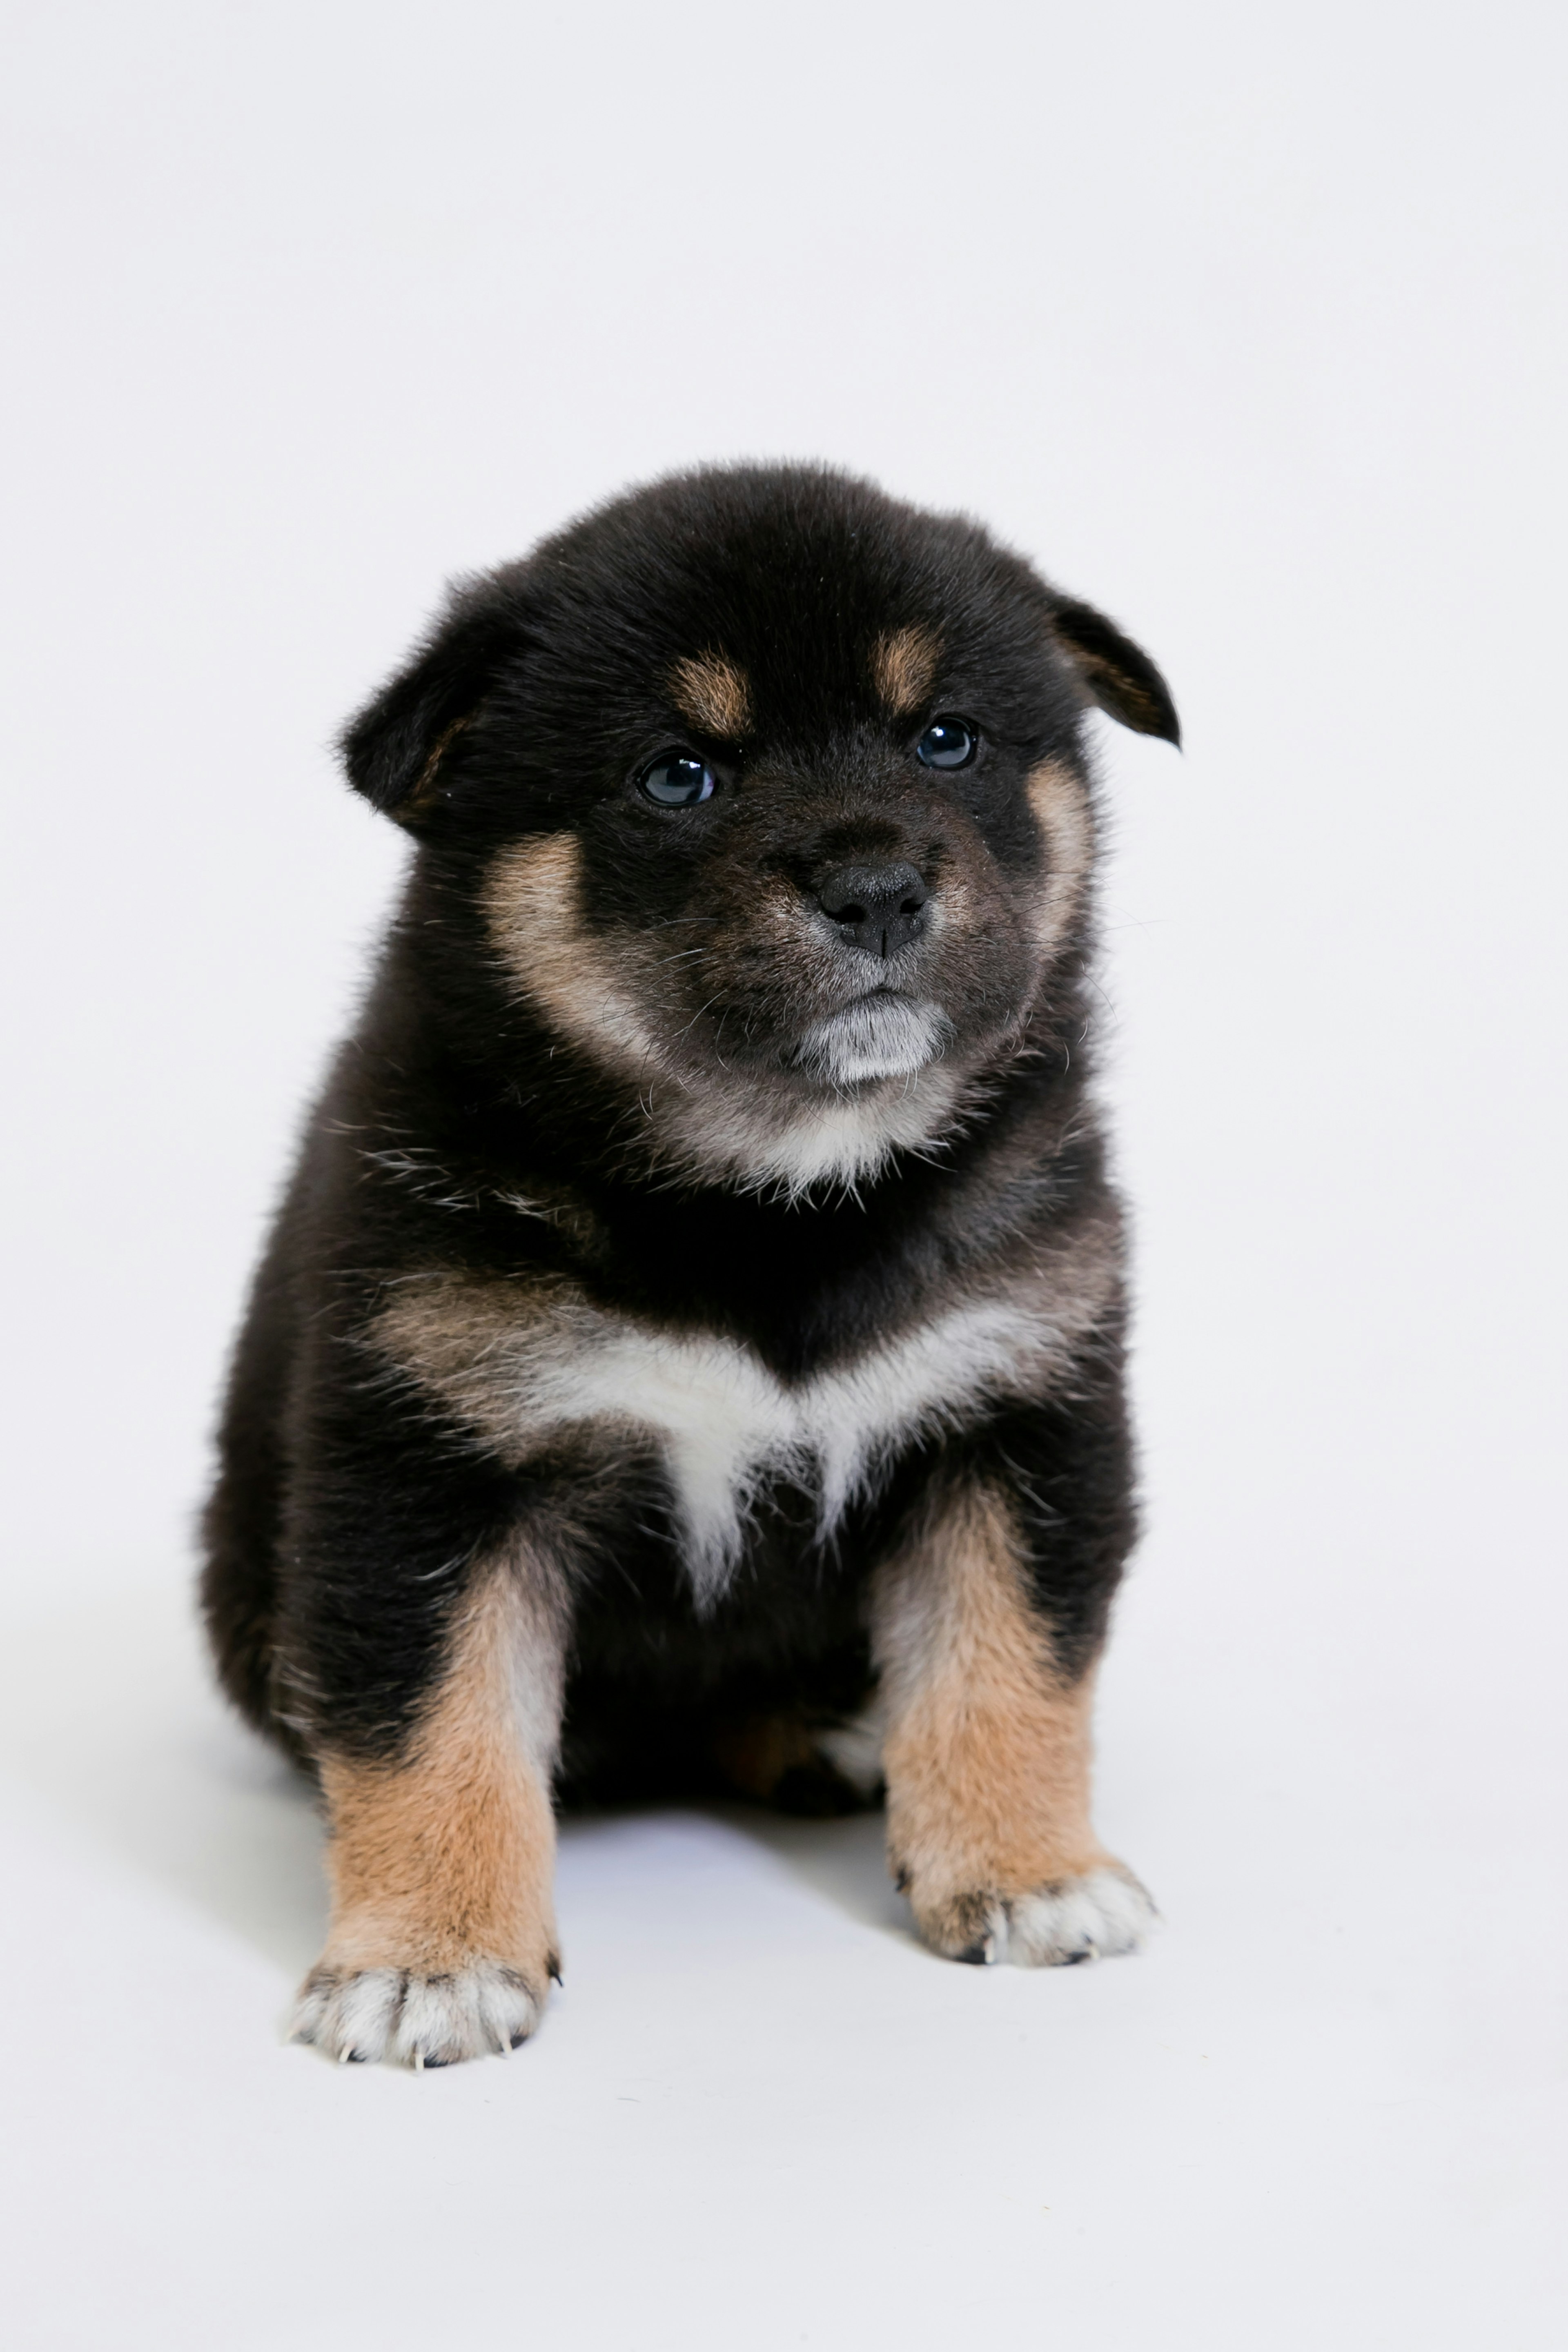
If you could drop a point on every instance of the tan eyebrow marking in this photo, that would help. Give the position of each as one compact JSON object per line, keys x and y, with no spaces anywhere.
{"x":903,"y":665}
{"x":713,"y":694}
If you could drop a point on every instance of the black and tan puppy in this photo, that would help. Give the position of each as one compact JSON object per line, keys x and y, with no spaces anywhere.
{"x":689,"y":1354}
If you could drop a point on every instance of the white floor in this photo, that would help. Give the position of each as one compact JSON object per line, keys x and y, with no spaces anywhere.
{"x":1324,"y":2109}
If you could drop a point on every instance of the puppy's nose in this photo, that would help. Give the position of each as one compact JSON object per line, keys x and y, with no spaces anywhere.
{"x":879,"y":907}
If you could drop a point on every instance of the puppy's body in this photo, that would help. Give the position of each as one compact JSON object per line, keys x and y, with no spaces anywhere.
{"x":690,"y":1353}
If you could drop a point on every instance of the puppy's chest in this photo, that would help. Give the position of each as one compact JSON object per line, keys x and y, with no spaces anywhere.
{"x":518,"y":1370}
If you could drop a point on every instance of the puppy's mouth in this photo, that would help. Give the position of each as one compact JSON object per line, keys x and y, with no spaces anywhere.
{"x":884,"y":1035}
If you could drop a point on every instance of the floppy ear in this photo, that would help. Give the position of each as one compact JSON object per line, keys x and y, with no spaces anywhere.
{"x":1114,"y":672}
{"x":393,"y":749}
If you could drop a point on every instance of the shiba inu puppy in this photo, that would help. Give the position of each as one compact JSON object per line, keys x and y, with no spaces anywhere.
{"x":689,"y":1354}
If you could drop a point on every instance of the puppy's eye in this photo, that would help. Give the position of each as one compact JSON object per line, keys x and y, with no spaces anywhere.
{"x":948,"y":743}
{"x":676,"y":780}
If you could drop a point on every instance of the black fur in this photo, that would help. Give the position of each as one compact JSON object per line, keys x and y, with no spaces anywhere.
{"x":350,"y":1505}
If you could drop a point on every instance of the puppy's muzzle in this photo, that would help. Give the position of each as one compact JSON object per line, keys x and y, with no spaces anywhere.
{"x":879,"y":908}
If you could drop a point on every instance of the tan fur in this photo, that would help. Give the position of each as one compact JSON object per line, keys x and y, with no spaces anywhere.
{"x":1071,"y":1271}
{"x":446,"y":1857}
{"x":533,"y":910}
{"x":987,"y":1746}
{"x":459,"y":1338}
{"x":450,"y":1325}
{"x":903,"y":667}
{"x":713,"y":694}
{"x":1061,"y":807}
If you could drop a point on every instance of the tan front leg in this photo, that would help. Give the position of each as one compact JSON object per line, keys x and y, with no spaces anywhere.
{"x":443,"y":1934}
{"x":987,"y":1754}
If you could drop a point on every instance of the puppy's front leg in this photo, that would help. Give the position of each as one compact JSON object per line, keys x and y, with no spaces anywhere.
{"x":443,"y":1935}
{"x":987,"y":1752}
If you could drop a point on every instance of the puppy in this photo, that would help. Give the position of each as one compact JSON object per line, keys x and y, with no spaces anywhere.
{"x":690,"y":1353}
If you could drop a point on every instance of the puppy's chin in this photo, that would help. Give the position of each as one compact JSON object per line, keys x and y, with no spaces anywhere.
{"x":879,"y":1037}
{"x":761,"y":1134}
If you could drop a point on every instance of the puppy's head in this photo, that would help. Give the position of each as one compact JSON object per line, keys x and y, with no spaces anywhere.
{"x":763,"y":795}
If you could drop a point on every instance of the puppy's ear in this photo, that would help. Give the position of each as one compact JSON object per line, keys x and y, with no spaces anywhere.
{"x":1114,"y":672}
{"x":395,"y":748}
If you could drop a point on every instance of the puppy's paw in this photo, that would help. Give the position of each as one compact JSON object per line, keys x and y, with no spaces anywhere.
{"x":408,"y":2019}
{"x":1087,"y":1916}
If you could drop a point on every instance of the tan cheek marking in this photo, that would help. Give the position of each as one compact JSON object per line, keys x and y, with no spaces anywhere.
{"x":447,"y":1856}
{"x":1060,"y":803}
{"x":533,"y":910}
{"x":715,"y":693}
{"x":987,"y":1752}
{"x":903,"y":666}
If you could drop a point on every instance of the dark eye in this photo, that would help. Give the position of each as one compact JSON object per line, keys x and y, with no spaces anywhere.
{"x":677,"y":780}
{"x":948,"y":743}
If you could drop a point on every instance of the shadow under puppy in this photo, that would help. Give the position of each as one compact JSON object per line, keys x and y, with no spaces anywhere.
{"x":690,"y":1350}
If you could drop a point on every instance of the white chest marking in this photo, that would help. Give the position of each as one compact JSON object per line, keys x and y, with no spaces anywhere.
{"x":725,"y":1423}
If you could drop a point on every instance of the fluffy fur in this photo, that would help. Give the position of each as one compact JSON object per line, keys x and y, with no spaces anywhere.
{"x":689,"y":1352}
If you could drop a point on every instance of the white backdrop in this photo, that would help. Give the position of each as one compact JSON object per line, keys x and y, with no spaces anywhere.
{"x":1247,"y":323}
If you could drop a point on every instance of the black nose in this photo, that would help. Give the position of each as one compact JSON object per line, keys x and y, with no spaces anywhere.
{"x":879,"y":907}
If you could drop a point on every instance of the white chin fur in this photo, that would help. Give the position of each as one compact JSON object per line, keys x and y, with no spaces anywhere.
{"x":879,"y":1037}
{"x":847,"y":1136}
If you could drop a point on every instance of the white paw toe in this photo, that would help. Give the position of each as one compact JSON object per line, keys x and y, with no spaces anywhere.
{"x":1087,"y":1918}
{"x":410,"y":2020}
